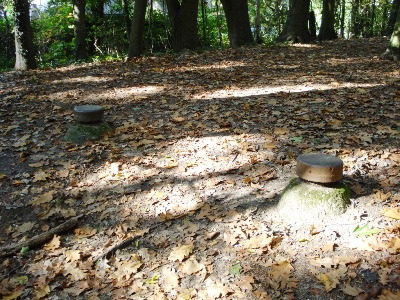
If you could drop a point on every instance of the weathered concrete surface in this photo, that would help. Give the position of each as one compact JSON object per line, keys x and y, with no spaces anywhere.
{"x":310,"y":202}
{"x":81,"y":133}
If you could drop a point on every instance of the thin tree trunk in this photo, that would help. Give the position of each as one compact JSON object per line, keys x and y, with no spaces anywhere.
{"x":355,"y":18}
{"x":128,"y":21}
{"x":342,"y":16}
{"x":312,"y":25}
{"x":79,"y":29}
{"x":7,"y":41}
{"x":371,"y":32}
{"x":218,"y":23}
{"x":259,"y":39}
{"x":137,"y":30}
{"x":24,"y":50}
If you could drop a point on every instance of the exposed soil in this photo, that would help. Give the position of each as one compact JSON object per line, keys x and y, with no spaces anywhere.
{"x":203,"y":145}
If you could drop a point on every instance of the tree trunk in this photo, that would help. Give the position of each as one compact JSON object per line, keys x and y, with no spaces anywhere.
{"x":7,"y":42}
{"x":356,"y":27}
{"x":137,"y":30}
{"x":24,"y":50}
{"x":97,"y":9}
{"x":295,"y":29}
{"x":184,"y":23}
{"x":128,"y":21}
{"x":79,"y":29}
{"x":238,"y":22}
{"x":393,"y":51}
{"x":327,"y":30}
{"x":259,"y":39}
{"x":342,"y":16}
{"x":312,"y":25}
{"x":392,"y":17}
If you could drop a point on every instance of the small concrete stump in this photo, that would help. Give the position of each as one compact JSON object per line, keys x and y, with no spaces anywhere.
{"x":89,"y":126}
{"x":318,"y":193}
{"x":81,"y":133}
{"x":88,"y":113}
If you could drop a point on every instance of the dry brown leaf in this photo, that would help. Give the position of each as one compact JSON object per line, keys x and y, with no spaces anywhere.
{"x":350,"y":290}
{"x":25,"y":227}
{"x":170,"y":279}
{"x":394,"y":246}
{"x":388,"y":295}
{"x":328,"y":280}
{"x":393,"y":213}
{"x":40,"y":176}
{"x":42,"y":199}
{"x":14,"y":294}
{"x":73,"y":255}
{"x":191,"y":266}
{"x":218,"y":290}
{"x":53,"y":244}
{"x":42,"y":291}
{"x":246,"y":283}
{"x":180,"y":252}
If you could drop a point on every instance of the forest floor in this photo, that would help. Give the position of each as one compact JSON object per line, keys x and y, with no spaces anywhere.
{"x":180,"y":202}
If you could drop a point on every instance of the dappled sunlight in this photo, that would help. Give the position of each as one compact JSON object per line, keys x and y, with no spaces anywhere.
{"x":298,"y":45}
{"x":126,"y":94}
{"x":83,"y":79}
{"x":153,"y":185}
{"x":221,"y":65}
{"x":234,"y":92}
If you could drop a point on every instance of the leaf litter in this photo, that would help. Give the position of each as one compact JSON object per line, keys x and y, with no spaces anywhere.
{"x":179,"y":203}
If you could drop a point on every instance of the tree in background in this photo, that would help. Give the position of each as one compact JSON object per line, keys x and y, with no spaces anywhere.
{"x":97,"y":9}
{"x":327,"y":30}
{"x":392,"y":17}
{"x":393,"y":51}
{"x":137,"y":30}
{"x":79,"y":29}
{"x":295,"y":29}
{"x":6,"y":39}
{"x":183,"y":17}
{"x":24,"y":50}
{"x":238,"y":22}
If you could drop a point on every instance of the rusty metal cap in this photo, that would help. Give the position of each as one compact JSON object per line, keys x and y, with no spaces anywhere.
{"x":319,"y":167}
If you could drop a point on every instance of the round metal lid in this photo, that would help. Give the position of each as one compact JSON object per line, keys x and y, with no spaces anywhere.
{"x":88,"y":113}
{"x":319,"y":167}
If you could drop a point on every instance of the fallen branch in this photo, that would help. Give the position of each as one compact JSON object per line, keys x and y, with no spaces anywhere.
{"x":108,"y":252}
{"x":39,"y":239}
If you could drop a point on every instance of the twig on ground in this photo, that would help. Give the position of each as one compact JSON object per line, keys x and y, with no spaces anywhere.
{"x":39,"y":239}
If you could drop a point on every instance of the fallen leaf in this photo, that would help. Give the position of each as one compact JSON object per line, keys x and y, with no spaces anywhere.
{"x":73,"y":255}
{"x":42,"y":199}
{"x":365,"y":230}
{"x":53,"y":244}
{"x":393,"y":213}
{"x":42,"y":291}
{"x":191,"y":266}
{"x":350,"y":290}
{"x":180,"y":252}
{"x":40,"y":176}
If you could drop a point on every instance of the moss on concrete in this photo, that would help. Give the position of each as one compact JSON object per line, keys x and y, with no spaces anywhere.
{"x":309,"y":201}
{"x":81,"y":133}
